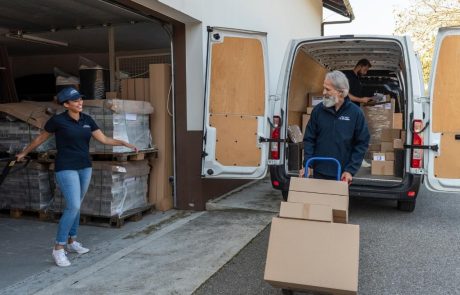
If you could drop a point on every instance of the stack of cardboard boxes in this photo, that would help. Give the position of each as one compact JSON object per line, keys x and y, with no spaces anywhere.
{"x":392,"y":143}
{"x":312,"y":247}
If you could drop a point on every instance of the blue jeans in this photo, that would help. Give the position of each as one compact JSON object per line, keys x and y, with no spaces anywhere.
{"x":73,"y":185}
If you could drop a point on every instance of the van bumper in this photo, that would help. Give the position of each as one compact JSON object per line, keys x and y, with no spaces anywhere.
{"x":400,"y":191}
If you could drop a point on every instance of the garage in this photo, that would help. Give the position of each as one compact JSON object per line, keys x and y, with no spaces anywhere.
{"x":110,"y":51}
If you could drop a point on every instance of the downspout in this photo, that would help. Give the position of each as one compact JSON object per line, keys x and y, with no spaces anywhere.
{"x":348,"y":12}
{"x":351,"y":18}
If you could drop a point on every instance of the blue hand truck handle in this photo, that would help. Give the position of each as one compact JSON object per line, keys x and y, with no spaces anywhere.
{"x":339,"y":167}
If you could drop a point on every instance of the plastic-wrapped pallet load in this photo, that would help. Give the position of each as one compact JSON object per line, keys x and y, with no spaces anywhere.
{"x":115,"y":188}
{"x":29,"y":188}
{"x":121,"y":119}
{"x":20,"y":123}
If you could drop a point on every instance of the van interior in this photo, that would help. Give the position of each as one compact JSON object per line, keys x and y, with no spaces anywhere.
{"x":386,"y":78}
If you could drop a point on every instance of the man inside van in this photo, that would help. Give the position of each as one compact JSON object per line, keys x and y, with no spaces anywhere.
{"x":356,"y":90}
{"x":337,"y":128}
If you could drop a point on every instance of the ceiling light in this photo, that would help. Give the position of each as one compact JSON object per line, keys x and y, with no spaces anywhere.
{"x":35,"y":39}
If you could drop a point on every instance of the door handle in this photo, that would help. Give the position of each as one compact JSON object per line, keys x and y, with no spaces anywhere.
{"x":457,"y":136}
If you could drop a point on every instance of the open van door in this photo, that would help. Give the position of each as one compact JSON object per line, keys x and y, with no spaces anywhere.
{"x":444,"y":131}
{"x":236,"y":105}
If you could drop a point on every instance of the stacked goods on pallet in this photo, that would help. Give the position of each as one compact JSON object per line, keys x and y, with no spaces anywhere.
{"x":311,"y":246}
{"x":115,"y":189}
{"x":29,"y":188}
{"x":20,"y":123}
{"x":120,"y":119}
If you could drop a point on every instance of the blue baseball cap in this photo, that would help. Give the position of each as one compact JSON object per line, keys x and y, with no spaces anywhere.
{"x":68,"y":93}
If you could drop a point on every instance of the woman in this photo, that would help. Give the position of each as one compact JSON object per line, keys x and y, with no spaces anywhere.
{"x":73,"y":131}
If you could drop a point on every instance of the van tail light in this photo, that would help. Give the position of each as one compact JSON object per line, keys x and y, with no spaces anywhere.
{"x":417,"y":139}
{"x":275,"y":146}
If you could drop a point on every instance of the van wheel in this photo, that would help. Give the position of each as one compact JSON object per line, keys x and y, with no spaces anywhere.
{"x":286,"y":292}
{"x":408,"y":206}
{"x":285,"y":195}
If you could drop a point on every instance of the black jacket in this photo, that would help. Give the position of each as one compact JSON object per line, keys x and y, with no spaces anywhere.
{"x":342,"y":135}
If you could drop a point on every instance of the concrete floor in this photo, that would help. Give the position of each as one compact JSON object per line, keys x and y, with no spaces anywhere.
{"x":164,"y":253}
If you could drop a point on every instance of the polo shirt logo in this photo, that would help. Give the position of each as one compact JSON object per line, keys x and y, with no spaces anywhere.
{"x":344,"y":118}
{"x":86,"y":126}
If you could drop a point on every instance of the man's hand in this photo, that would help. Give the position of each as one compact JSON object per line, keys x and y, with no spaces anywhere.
{"x":20,"y":156}
{"x":302,"y":172}
{"x":133,"y":147}
{"x":346,"y":176}
{"x":366,"y":99}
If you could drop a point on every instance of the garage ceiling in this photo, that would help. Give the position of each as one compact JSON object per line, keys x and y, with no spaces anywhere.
{"x":81,"y":24}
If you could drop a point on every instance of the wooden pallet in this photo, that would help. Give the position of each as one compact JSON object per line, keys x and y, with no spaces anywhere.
{"x":42,"y":215}
{"x":111,"y":221}
{"x":49,"y":156}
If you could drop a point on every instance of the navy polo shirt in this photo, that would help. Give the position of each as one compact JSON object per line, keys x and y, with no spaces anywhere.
{"x":356,"y":88}
{"x":72,"y":140}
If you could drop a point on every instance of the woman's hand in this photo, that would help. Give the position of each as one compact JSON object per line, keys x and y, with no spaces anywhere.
{"x":133,"y":147}
{"x":20,"y":156}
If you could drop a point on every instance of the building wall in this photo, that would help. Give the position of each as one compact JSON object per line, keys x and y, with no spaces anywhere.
{"x":282,"y":22}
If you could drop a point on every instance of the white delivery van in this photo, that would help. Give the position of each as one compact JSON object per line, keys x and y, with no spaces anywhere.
{"x":246,"y":129}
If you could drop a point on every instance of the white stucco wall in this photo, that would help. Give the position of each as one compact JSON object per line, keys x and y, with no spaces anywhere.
{"x":282,"y":20}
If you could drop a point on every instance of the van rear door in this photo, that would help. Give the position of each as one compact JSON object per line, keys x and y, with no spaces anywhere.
{"x":444,"y":131}
{"x":236,"y":108}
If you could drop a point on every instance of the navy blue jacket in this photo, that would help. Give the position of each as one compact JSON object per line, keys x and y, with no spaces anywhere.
{"x":342,"y":135}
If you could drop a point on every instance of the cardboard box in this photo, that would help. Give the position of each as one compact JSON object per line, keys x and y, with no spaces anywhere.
{"x":386,"y":146}
{"x":305,"y":119}
{"x":306,"y":211}
{"x":403,"y":135}
{"x":398,"y":143}
{"x":389,"y":156}
{"x":313,"y":256}
{"x":314,"y":99}
{"x":309,"y":110}
{"x":378,"y":156}
{"x":390,"y":134}
{"x":321,"y":192}
{"x":320,"y":186}
{"x":382,"y":168}
{"x":111,"y":95}
{"x":397,"y":121}
{"x":374,"y":147}
{"x":338,"y":203}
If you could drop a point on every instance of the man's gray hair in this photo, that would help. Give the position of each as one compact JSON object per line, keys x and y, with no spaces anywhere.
{"x":339,"y":81}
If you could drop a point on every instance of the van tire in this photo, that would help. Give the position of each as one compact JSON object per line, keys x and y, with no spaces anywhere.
{"x":407,"y":206}
{"x":286,"y":292}
{"x":285,"y":195}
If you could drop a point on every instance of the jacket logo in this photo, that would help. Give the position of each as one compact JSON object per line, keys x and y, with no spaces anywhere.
{"x":344,"y":118}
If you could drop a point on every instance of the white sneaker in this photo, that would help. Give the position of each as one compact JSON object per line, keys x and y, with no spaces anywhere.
{"x":60,"y":258}
{"x":77,"y":248}
{"x":365,"y":164}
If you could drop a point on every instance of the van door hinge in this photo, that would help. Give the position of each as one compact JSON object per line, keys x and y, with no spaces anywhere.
{"x":263,"y":139}
{"x":274,"y":97}
{"x":422,"y":99}
{"x":422,"y":147}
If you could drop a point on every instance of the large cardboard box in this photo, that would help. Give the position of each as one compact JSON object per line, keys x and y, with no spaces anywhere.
{"x":321,"y":192}
{"x":306,"y":211}
{"x":390,"y":134}
{"x":398,"y":143}
{"x":397,"y":121}
{"x":313,"y":256}
{"x":382,"y":167}
{"x":321,"y":186}
{"x":387,"y":146}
